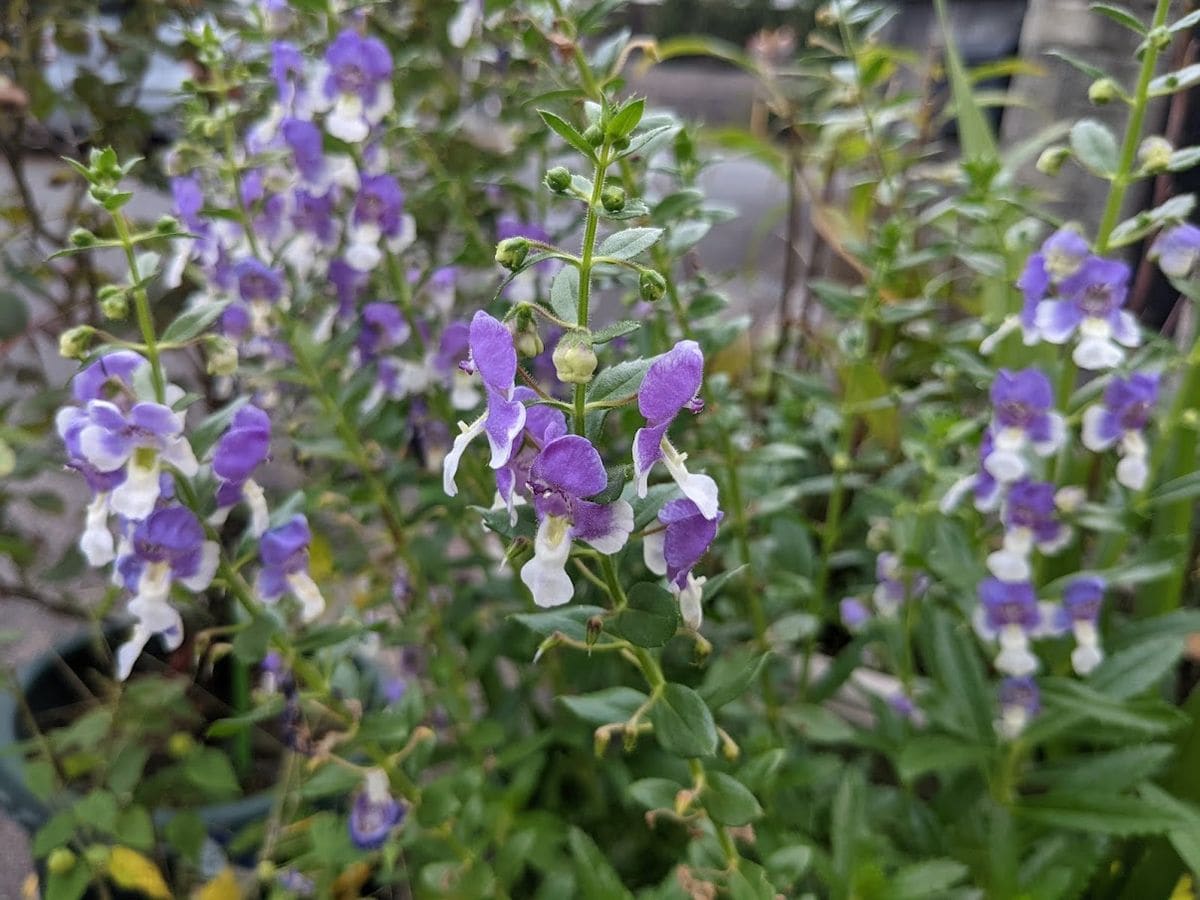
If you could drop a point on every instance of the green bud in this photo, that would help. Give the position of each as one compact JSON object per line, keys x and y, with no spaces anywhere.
{"x":558,"y":179}
{"x":1155,"y":153}
{"x":574,"y":358}
{"x":115,"y":305}
{"x":97,"y":856}
{"x":652,"y":285}
{"x":81,"y":237}
{"x":593,"y":135}
{"x":167,"y":225}
{"x":528,"y":342}
{"x":221,"y":354}
{"x":180,"y":744}
{"x":621,"y":143}
{"x":1159,"y":38}
{"x":1051,"y":160}
{"x":60,"y":861}
{"x":75,"y":342}
{"x":612,"y":198}
{"x":265,"y":871}
{"x":1103,"y":90}
{"x":511,"y":252}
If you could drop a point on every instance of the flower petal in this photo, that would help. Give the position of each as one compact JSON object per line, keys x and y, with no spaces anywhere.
{"x":545,"y":574}
{"x":605,"y":527}
{"x":671,"y":381}
{"x":572,"y":465}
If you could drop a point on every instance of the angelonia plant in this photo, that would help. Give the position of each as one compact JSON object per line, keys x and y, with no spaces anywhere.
{"x":460,"y":530}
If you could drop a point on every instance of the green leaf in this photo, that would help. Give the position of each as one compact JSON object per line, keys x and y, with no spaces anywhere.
{"x":331,"y":780}
{"x":618,"y":382}
{"x":1095,"y":147}
{"x":97,"y":810}
{"x":615,"y":330}
{"x":629,"y":243}
{"x":191,"y":322}
{"x":55,"y":833}
{"x":68,"y":885}
{"x":936,"y":753}
{"x":648,"y":141}
{"x":1187,"y":487}
{"x":568,"y":133}
{"x":728,"y":801}
{"x":819,"y":725}
{"x":729,"y":676}
{"x":954,"y":661}
{"x":209,"y":770}
{"x":597,"y":878}
{"x":223,"y":728}
{"x":1148,"y":717}
{"x":185,"y":832}
{"x":126,"y":770}
{"x":1177,"y":209}
{"x":928,"y":878}
{"x":626,"y":118}
{"x":614,"y":704}
{"x":1119,"y":14}
{"x":1137,"y":668}
{"x":1111,"y":772}
{"x":977,"y":140}
{"x":570,"y":620}
{"x":1189,"y":21}
{"x":1115,"y":814}
{"x":564,"y":293}
{"x":654,"y":793}
{"x":251,"y":642}
{"x":39,"y":774}
{"x":1091,"y":71}
{"x":650,"y":619}
{"x":1187,"y":77}
{"x":682,"y":722}
{"x":136,"y":828}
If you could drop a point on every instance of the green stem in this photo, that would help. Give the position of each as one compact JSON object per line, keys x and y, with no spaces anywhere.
{"x":141,"y":305}
{"x":585,"y":273}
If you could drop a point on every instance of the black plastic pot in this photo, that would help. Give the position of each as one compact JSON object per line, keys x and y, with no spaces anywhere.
{"x":45,"y":686}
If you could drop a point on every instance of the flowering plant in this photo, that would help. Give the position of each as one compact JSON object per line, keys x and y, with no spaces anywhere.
{"x":900,"y":615}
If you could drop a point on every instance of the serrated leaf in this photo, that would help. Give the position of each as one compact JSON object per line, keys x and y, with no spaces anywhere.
{"x":564,"y":293}
{"x":683,"y":723}
{"x":567,"y":132}
{"x":626,"y":118}
{"x":650,"y":619}
{"x":728,"y":801}
{"x":191,"y":322}
{"x":629,"y":243}
{"x":1095,"y":147}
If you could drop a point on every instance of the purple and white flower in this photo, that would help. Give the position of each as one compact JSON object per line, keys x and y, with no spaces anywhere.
{"x":378,"y":213}
{"x":670,"y":386}
{"x":284,"y":553}
{"x":1030,"y":519}
{"x":168,"y":547}
{"x":1091,"y":304}
{"x":241,"y":449}
{"x":1022,"y":415}
{"x":1009,"y":614}
{"x":1020,"y":702}
{"x":1060,"y":256}
{"x":566,"y":471}
{"x":1177,"y":250}
{"x":375,"y":812}
{"x":1080,"y":614}
{"x":676,"y":549}
{"x":1120,"y":419}
{"x":894,"y":586}
{"x":542,"y":425}
{"x":358,"y":85}
{"x":495,"y":359}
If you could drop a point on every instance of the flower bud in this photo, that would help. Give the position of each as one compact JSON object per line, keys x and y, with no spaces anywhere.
{"x":651,"y":285}
{"x":74,"y":342}
{"x":574,"y":358}
{"x":61,"y":861}
{"x":1159,"y":38}
{"x":114,"y":302}
{"x":511,"y":252}
{"x":558,"y":179}
{"x":222,"y":355}
{"x":1103,"y":90}
{"x":612,"y":198}
{"x":180,"y":744}
{"x":81,"y":237}
{"x":523,"y":328}
{"x":167,"y":225}
{"x":594,"y":626}
{"x":1051,"y":160}
{"x":621,"y":142}
{"x":593,"y":135}
{"x":97,"y":856}
{"x":1155,"y":153}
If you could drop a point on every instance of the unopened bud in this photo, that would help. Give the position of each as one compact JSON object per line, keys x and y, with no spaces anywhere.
{"x":621,"y":142}
{"x":651,"y":285}
{"x":75,"y":342}
{"x":221,"y":354}
{"x":574,"y":358}
{"x":511,"y":252}
{"x":1103,"y":90}
{"x":524,"y":330}
{"x":1051,"y":160}
{"x":1155,"y":153}
{"x":612,"y":198}
{"x":97,"y":856}
{"x":1159,"y":38}
{"x":593,"y":135}
{"x":81,"y":237}
{"x":558,"y":179}
{"x":114,"y":302}
{"x":601,"y":740}
{"x":167,"y":225}
{"x":594,"y":626}
{"x":61,"y":861}
{"x":180,"y":744}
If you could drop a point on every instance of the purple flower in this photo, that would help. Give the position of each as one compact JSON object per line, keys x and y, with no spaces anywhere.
{"x":542,"y":425}
{"x":348,"y":284}
{"x":1122,"y":417}
{"x":375,"y":812}
{"x":383,"y":328}
{"x":284,"y":554}
{"x":495,"y":359}
{"x":304,"y":140}
{"x":566,"y":471}
{"x":1030,"y":519}
{"x":893,"y":586}
{"x":677,"y":548}
{"x":168,"y":547}
{"x":188,"y":194}
{"x":854,"y":613}
{"x":1020,"y":702}
{"x":242,"y":449}
{"x":1176,"y":250}
{"x":358,"y":84}
{"x":287,"y":71}
{"x":1021,"y":414}
{"x":1080,"y":613}
{"x":108,"y":377}
{"x":378,"y":213}
{"x":1008,"y":612}
{"x":1091,"y":305}
{"x":258,"y":282}
{"x":313,"y":214}
{"x":670,"y":386}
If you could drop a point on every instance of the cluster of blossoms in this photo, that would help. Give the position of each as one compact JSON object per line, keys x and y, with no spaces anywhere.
{"x":130,"y":450}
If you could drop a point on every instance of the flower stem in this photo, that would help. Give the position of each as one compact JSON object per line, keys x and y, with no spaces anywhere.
{"x":585,"y":274}
{"x":141,"y":305}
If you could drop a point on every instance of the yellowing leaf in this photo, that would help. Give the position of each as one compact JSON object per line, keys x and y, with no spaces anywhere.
{"x":130,"y":870}
{"x":320,"y":558}
{"x":223,"y":887}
